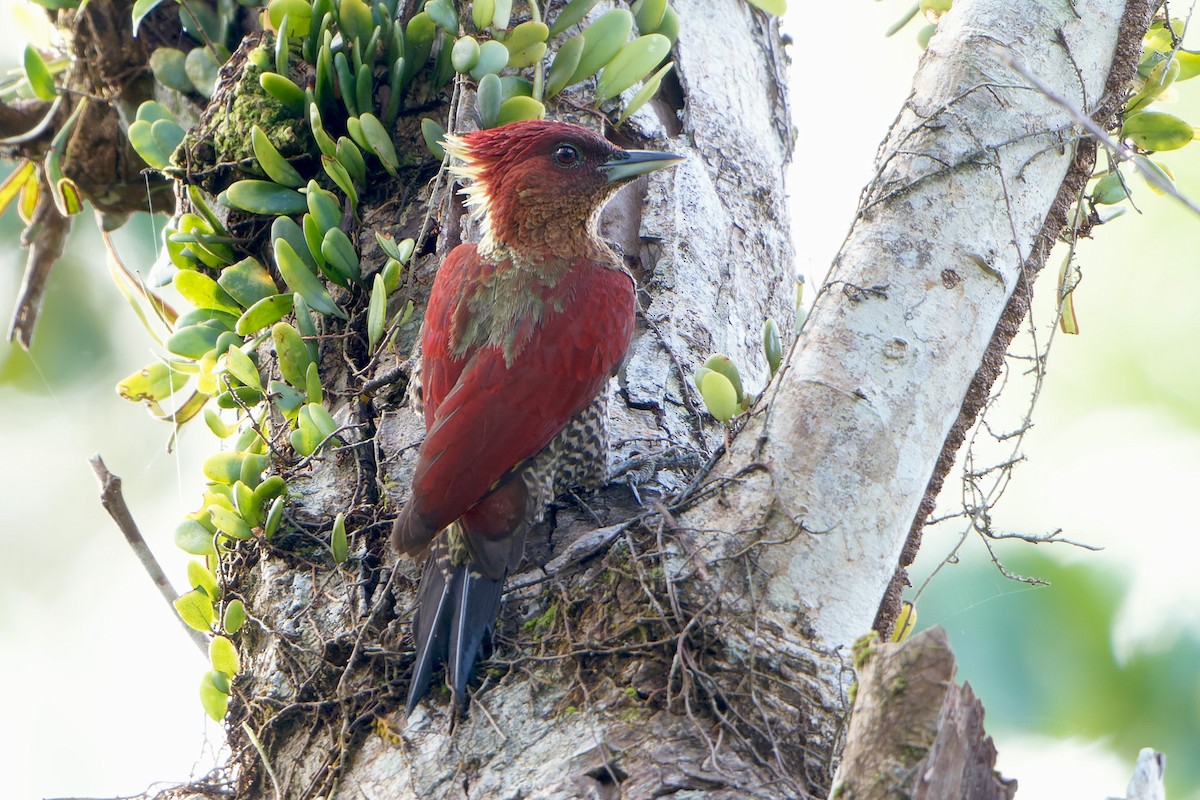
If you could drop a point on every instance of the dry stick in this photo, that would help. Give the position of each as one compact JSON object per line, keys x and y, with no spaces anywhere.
{"x":114,"y":503}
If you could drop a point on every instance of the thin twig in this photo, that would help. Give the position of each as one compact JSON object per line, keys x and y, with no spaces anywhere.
{"x":1082,"y":120}
{"x":262,"y":753}
{"x":114,"y":503}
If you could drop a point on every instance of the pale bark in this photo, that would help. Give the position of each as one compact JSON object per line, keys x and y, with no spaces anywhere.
{"x":835,"y":463}
{"x":914,"y":731}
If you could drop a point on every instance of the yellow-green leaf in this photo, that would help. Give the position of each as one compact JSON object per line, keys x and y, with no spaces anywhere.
{"x":603,"y":39}
{"x":152,"y":383}
{"x":772,"y":345}
{"x":775,"y":7}
{"x":633,"y":63}
{"x":303,"y":281}
{"x":213,"y":698}
{"x":338,"y":543}
{"x":272,"y":161}
{"x":648,"y":90}
{"x":263,"y":197}
{"x":202,"y":578}
{"x":230,"y":522}
{"x":274,"y":517}
{"x":376,"y":313}
{"x":1157,"y":130}
{"x":192,"y":537}
{"x":284,"y":90}
{"x":247,"y":282}
{"x":242,"y":367}
{"x":380,"y":141}
{"x":265,"y":312}
{"x":724,"y":365}
{"x":525,"y":35}
{"x":14,"y":183}
{"x":219,"y":428}
{"x":481,"y":13}
{"x":223,"y":656}
{"x":719,"y":396}
{"x":235,"y":616}
{"x":203,"y":292}
{"x":38,"y":75}
{"x":224,"y":467}
{"x":648,"y":14}
{"x":564,"y":64}
{"x":572,"y":12}
{"x":516,"y":109}
{"x":292,"y":354}
{"x":196,"y":609}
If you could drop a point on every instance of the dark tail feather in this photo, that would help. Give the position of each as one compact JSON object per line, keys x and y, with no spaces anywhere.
{"x":455,"y":612}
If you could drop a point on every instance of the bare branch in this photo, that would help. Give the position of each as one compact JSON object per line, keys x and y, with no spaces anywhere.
{"x":113,"y":502}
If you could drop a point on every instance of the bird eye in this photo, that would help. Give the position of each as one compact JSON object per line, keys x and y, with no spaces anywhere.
{"x":567,"y":155}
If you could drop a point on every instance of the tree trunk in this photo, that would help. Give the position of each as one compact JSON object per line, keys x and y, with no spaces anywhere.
{"x":687,"y":628}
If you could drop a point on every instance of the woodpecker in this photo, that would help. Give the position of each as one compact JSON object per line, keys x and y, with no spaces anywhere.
{"x":521,"y":334}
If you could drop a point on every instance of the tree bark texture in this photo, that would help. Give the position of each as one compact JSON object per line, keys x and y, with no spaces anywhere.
{"x":972,"y":186}
{"x":685,"y":630}
{"x":914,"y":732}
{"x":596,"y":686}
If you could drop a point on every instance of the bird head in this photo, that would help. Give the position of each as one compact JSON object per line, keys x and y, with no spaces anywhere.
{"x":540,"y":185}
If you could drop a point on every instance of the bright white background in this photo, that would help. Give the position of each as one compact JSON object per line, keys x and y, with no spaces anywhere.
{"x":91,"y":711}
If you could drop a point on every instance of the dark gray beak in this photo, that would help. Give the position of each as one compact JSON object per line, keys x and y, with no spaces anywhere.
{"x":628,"y":164}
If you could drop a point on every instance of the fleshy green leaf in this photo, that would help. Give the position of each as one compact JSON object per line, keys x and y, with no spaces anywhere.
{"x":235,"y":616}
{"x":292,"y":354}
{"x":772,"y":346}
{"x":774,"y":7}
{"x":719,"y":396}
{"x":223,"y":656}
{"x":272,"y":161}
{"x":603,"y":39}
{"x":338,"y":543}
{"x":648,"y":90}
{"x":285,"y":91}
{"x":303,"y":281}
{"x":572,"y":12}
{"x":140,"y":9}
{"x":247,"y":282}
{"x":265,"y":312}
{"x":213,"y":698}
{"x":192,"y":537}
{"x":38,"y":75}
{"x":724,"y":365}
{"x":434,"y":135}
{"x":376,"y":313}
{"x":263,"y":197}
{"x":566,"y":60}
{"x":633,"y":63}
{"x":517,"y":109}
{"x":488,"y":100}
{"x":242,"y":367}
{"x":196,"y":609}
{"x":493,"y":57}
{"x":203,"y":292}
{"x":202,"y":68}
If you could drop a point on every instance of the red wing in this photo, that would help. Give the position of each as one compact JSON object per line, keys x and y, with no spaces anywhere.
{"x":497,"y":415}
{"x":439,"y":368}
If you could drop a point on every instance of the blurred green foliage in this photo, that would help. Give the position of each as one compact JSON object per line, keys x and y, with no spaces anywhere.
{"x":1042,"y":659}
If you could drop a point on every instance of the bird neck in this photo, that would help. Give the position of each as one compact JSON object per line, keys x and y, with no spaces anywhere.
{"x":544,"y":239}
